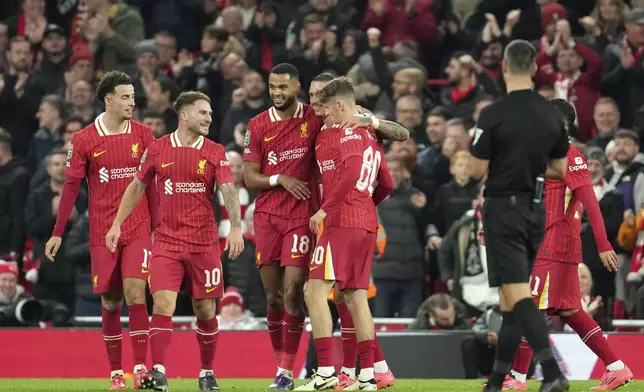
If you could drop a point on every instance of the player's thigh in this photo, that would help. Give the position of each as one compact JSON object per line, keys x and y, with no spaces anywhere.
{"x":357,"y":265}
{"x":205,"y":276}
{"x":167,"y":271}
{"x":136,"y":257}
{"x":106,"y":271}
{"x":297,"y":245}
{"x":555,"y":285}
{"x":268,"y":240}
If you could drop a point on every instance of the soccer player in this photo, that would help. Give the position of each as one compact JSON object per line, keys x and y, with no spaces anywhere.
{"x":555,"y":277}
{"x":107,"y":153}
{"x":188,"y":167}
{"x":350,"y":161}
{"x":347,"y":377}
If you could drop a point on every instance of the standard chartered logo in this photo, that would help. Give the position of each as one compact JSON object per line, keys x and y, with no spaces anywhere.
{"x":171,"y":188}
{"x":105,"y":174}
{"x":168,"y":187}
{"x":272,"y":158}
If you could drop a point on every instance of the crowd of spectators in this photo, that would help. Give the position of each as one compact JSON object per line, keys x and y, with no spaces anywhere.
{"x":430,"y":65}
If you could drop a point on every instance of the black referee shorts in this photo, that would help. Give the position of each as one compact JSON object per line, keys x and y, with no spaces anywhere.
{"x":514,"y":229}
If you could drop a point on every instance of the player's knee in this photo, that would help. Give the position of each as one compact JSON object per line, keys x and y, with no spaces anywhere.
{"x":163,"y":304}
{"x":134,"y":290}
{"x":338,"y":296}
{"x":112,"y":301}
{"x":205,"y":309}
{"x":314,"y":292}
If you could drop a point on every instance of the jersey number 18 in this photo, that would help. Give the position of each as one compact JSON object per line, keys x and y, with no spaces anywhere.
{"x":369,"y":172}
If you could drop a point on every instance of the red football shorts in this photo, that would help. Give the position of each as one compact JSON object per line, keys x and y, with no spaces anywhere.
{"x":288,"y":241}
{"x":202,"y":272}
{"x":344,"y":255}
{"x":555,"y":285}
{"x":130,"y":260}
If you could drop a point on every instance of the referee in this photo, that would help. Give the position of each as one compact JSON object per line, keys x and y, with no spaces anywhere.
{"x":519,"y":140}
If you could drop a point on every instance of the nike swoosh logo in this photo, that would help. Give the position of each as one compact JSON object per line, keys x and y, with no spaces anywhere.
{"x":210,"y":290}
{"x":314,"y":267}
{"x":98,"y":154}
{"x":296,"y":256}
{"x":164,"y":165}
{"x":324,"y":385}
{"x":318,"y":146}
{"x":268,"y":139}
{"x":210,"y":341}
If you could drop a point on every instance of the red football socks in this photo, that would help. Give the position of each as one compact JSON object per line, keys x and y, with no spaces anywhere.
{"x":348,"y":332}
{"x":207,"y":333}
{"x":139,"y":329}
{"x":274,"y":320}
{"x":292,"y":332}
{"x":366,"y":350}
{"x":592,"y":335}
{"x":160,"y":337}
{"x":378,"y":355}
{"x":324,"y":349}
{"x":522,"y":358}
{"x":113,"y":336}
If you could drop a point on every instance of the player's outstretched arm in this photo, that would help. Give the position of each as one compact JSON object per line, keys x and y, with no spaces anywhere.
{"x":71,"y":189}
{"x":131,"y":197}
{"x":235,"y":242}
{"x":388,"y":130}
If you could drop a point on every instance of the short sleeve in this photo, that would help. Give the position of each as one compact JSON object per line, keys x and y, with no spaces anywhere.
{"x":560,"y":149}
{"x":482,"y":138}
{"x":147,"y":167}
{"x":577,"y":174}
{"x":352,"y":142}
{"x":76,"y":165}
{"x":252,"y":145}
{"x":223,"y":174}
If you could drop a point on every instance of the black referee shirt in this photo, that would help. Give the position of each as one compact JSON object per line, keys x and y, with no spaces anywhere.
{"x":518,"y":134}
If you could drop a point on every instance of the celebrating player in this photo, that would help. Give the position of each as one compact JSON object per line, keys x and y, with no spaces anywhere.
{"x":555,"y":277}
{"x":188,"y":166}
{"x":347,"y":377}
{"x":107,"y":153}
{"x":350,"y":161}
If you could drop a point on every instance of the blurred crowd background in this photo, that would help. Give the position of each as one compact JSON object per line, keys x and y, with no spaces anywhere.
{"x":430,"y":65}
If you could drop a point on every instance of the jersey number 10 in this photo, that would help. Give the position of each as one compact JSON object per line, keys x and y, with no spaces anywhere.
{"x":369,"y":172}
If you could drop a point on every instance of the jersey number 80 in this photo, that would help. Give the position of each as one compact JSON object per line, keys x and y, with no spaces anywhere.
{"x":369,"y":172}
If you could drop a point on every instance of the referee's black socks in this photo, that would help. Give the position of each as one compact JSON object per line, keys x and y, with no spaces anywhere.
{"x":508,"y":342}
{"x":535,"y":330}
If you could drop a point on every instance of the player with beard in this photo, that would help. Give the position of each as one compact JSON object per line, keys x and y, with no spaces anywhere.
{"x":107,"y":154}
{"x":278,"y":155}
{"x":188,"y":166}
{"x":347,"y":377}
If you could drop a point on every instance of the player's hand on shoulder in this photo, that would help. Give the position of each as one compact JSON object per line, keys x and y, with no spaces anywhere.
{"x":609,"y":259}
{"x":295,"y":187}
{"x":52,"y":246}
{"x":112,"y":238}
{"x":234,"y":243}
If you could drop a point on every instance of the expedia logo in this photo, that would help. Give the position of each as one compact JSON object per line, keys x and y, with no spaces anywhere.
{"x":354,"y":136}
{"x":578,"y":167}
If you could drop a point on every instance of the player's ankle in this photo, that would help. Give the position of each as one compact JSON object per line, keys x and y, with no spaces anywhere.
{"x":381,"y":367}
{"x":519,"y":376}
{"x":139,"y":367}
{"x":617,"y":365}
{"x":159,"y":368}
{"x":351,"y":372}
{"x":204,"y":372}
{"x":117,"y":372}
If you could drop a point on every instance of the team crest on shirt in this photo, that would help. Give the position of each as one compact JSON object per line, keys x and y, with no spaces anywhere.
{"x":135,"y":150}
{"x":304,"y":132}
{"x":202,"y":167}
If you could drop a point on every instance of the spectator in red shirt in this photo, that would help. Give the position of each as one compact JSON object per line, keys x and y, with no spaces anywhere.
{"x":411,"y":19}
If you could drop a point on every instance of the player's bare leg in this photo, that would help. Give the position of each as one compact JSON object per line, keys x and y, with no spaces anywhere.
{"x":165,"y":302}
{"x":207,"y":334}
{"x":616,"y":374}
{"x":316,"y":294}
{"x":358,"y":304}
{"x":139,"y":325}
{"x":383,"y":375}
{"x":520,"y":314}
{"x":111,"y":304}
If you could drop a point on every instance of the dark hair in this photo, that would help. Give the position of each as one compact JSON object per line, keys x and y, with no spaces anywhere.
{"x":59,"y":151}
{"x":5,"y":137}
{"x":312,"y":18}
{"x":456,"y":121}
{"x":324,"y":77}
{"x":565,"y":109}
{"x":166,"y":33}
{"x":56,"y":102}
{"x":440,"y":111}
{"x":338,"y":87}
{"x":286,"y":69}
{"x":153,"y":113}
{"x":168,"y":85}
{"x":189,"y":98}
{"x":519,"y":56}
{"x":17,"y":39}
{"x":77,"y":119}
{"x":439,"y":301}
{"x":110,"y":81}
{"x":217,"y":33}
{"x":627,"y":134}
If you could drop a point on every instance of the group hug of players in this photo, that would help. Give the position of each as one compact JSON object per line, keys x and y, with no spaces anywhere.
{"x":314,"y":225}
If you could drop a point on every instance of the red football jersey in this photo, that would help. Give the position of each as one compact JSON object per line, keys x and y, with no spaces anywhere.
{"x":283,"y":146}
{"x":186,"y":178}
{"x":109,"y":162}
{"x":332,"y":148}
{"x":562,"y":240}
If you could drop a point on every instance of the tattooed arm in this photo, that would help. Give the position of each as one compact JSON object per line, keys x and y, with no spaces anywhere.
{"x":235,"y":242}
{"x":388,"y":130}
